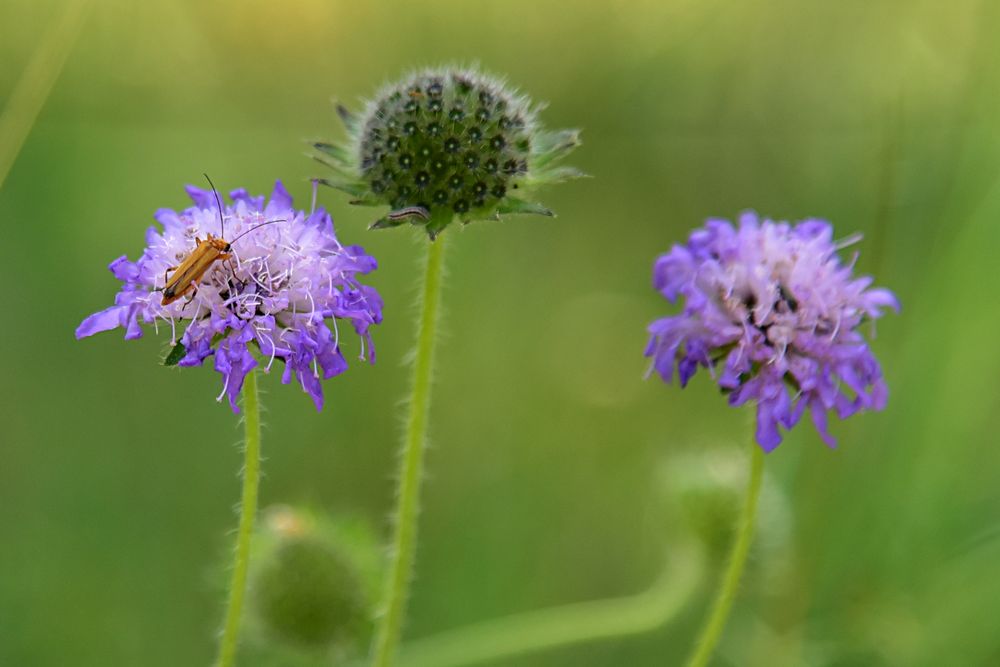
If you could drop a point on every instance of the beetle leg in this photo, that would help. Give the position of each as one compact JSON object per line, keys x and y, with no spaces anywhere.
{"x":193,"y":290}
{"x":168,"y":270}
{"x":228,"y":259}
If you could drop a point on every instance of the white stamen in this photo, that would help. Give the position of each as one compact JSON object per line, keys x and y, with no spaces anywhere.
{"x":336,"y":333}
{"x":848,"y":241}
{"x":312,"y":302}
{"x":225,"y":386}
{"x":263,"y":333}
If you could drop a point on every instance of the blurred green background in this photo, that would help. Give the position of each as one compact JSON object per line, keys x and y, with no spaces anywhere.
{"x":118,"y":476}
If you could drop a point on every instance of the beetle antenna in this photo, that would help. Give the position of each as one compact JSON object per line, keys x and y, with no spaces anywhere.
{"x":253,"y":229}
{"x":222,"y":223}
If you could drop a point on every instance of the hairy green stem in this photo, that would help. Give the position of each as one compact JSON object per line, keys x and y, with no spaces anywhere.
{"x":411,"y":465}
{"x":248,"y":512}
{"x":33,"y":87}
{"x":504,"y":639}
{"x":716,"y":620}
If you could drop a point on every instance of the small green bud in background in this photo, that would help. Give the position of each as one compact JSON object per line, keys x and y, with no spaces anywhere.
{"x":703,"y":493}
{"x":443,"y":144}
{"x":308,"y":594}
{"x":313,"y":583}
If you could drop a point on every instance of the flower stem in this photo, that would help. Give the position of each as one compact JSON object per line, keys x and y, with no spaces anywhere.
{"x":411,"y":465}
{"x":503,"y":639}
{"x":716,"y":620}
{"x":248,"y":511}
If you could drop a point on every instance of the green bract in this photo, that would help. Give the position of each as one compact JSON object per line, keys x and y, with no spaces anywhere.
{"x":444,"y":144}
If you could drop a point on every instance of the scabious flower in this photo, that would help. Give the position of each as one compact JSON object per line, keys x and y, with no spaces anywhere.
{"x":446,"y":143}
{"x":287,"y":279}
{"x":772,"y":313}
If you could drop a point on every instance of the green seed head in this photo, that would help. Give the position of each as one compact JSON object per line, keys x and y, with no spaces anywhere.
{"x":445,"y":144}
{"x":702,"y":494}
{"x":311,"y":586}
{"x":308,"y":594}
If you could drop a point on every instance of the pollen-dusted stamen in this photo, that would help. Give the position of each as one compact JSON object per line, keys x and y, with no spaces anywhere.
{"x":447,"y":129}
{"x":287,"y":278}
{"x":773,"y":314}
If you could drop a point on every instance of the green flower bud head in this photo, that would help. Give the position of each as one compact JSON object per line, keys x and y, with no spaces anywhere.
{"x":703,"y":493}
{"x":309,"y":588}
{"x":447,"y":144}
{"x":308,"y":594}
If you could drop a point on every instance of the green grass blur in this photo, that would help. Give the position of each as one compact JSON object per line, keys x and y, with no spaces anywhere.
{"x":118,"y":476}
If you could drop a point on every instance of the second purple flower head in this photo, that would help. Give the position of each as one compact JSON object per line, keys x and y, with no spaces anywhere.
{"x":773,"y":314}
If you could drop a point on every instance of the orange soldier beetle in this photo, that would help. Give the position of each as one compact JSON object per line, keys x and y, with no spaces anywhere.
{"x":186,"y":276}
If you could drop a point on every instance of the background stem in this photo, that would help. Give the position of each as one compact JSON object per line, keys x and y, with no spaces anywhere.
{"x":248,"y":512}
{"x":36,"y":81}
{"x":411,"y":464}
{"x":716,"y":620}
{"x":506,"y":638}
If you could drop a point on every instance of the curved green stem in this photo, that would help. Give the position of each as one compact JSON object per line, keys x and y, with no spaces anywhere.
{"x":716,"y":620}
{"x":248,"y":511}
{"x":506,"y":638}
{"x":411,"y":465}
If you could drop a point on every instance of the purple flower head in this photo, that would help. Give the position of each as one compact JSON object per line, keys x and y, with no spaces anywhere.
{"x":285,"y":284}
{"x":774,"y":316}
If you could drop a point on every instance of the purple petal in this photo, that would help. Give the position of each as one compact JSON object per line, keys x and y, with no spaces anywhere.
{"x":819,"y":421}
{"x":201,"y":198}
{"x":252,"y":203}
{"x":360,"y":261}
{"x":312,"y":386}
{"x":131,"y":322}
{"x":321,"y":220}
{"x":686,"y":368}
{"x":123,"y":269}
{"x":233,"y":360}
{"x":877,"y":299}
{"x":105,"y":320}
{"x":170,"y":220}
{"x":672,"y":271}
{"x":768,"y":436}
{"x":280,"y":199}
